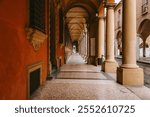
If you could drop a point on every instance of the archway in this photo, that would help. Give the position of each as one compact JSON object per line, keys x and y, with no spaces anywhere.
{"x":76,"y":22}
{"x":144,"y":32}
{"x":119,"y":43}
{"x":78,"y":17}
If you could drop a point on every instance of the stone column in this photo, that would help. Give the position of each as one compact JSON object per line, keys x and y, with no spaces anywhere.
{"x":110,"y":65}
{"x":129,"y":73}
{"x":144,"y":48}
{"x":100,"y":39}
{"x":88,"y":39}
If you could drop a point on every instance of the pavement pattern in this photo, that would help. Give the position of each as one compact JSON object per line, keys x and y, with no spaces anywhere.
{"x":79,"y":81}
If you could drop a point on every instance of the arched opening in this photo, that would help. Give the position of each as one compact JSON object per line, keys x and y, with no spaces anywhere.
{"x":144,"y":32}
{"x":76,"y":23}
{"x":78,"y":18}
{"x":119,"y":43}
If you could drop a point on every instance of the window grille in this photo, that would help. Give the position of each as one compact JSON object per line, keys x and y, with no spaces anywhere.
{"x":37,"y":14}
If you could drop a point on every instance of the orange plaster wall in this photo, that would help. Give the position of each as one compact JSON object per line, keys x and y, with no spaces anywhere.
{"x":101,"y":11}
{"x":63,"y":54}
{"x":111,"y":1}
{"x":60,"y":52}
{"x":16,"y":53}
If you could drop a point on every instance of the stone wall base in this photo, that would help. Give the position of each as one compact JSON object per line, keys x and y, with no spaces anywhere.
{"x":133,"y":77}
{"x":109,"y":66}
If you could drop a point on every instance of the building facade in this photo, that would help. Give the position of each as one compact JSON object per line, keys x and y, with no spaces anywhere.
{"x":36,"y":37}
{"x":142,"y":20}
{"x":27,"y":51}
{"x":143,"y":23}
{"x":118,"y":29}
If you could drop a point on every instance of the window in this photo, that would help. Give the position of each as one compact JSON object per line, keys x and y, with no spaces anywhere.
{"x":144,"y":7}
{"x":37,"y":15}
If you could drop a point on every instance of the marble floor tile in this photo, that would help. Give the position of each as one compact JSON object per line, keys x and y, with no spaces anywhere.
{"x":81,"y":75}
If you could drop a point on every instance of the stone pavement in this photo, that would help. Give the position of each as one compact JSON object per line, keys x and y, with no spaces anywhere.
{"x":87,"y":82}
{"x":144,"y":60}
{"x":75,"y":58}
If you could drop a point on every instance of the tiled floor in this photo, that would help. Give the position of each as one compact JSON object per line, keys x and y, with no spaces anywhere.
{"x":86,"y":82}
{"x":75,"y":58}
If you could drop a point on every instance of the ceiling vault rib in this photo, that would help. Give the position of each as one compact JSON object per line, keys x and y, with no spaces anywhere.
{"x":77,"y":15}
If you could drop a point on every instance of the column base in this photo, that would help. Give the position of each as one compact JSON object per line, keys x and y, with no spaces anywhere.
{"x":132,"y":77}
{"x":109,"y":66}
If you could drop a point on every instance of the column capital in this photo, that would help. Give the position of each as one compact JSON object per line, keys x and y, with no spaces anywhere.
{"x":110,"y":5}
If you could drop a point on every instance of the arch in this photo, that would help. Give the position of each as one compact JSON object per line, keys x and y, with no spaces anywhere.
{"x":140,"y":42}
{"x":144,"y":47}
{"x":75,"y":18}
{"x":78,"y":26}
{"x":88,"y":5}
{"x":148,"y":41}
{"x":144,"y":32}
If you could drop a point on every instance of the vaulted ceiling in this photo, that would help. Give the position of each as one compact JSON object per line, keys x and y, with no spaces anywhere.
{"x":76,"y":19}
{"x":77,"y":14}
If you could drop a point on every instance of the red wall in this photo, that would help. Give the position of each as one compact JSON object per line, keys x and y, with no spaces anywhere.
{"x":16,"y":53}
{"x":59,"y":48}
{"x":60,"y":53}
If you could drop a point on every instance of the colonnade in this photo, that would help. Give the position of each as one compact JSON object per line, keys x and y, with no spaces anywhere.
{"x":129,"y":72}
